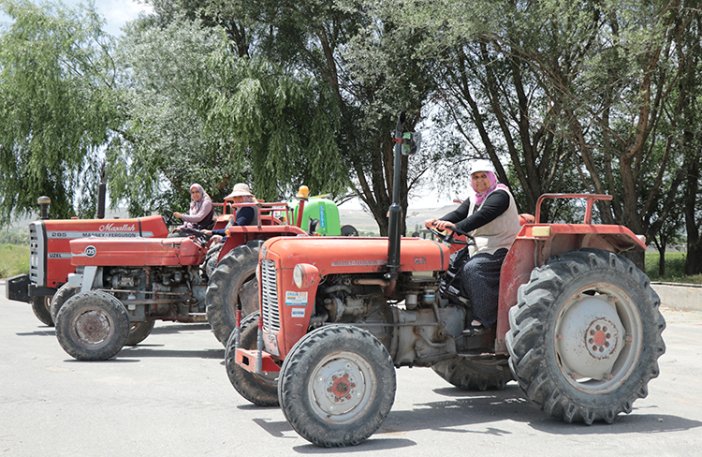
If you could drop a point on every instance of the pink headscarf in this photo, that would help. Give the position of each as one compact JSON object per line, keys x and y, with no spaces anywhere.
{"x":494,"y":185}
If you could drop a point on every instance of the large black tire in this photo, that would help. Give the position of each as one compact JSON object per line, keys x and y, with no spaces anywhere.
{"x":40,"y":308}
{"x":211,"y":259}
{"x":138,"y":331}
{"x":585,"y":336}
{"x":64,"y":292}
{"x":92,"y":325}
{"x":261,"y":390}
{"x":233,"y":281}
{"x":475,"y":373}
{"x":337,"y":385}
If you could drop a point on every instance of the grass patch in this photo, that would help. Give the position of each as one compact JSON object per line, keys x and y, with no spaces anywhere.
{"x":674,"y":268}
{"x":14,"y":259}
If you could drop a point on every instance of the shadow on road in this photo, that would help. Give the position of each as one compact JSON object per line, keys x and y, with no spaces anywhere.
{"x":279,"y":428}
{"x":143,"y":351}
{"x":466,"y":411}
{"x":48,"y":331}
{"x":176,"y":328}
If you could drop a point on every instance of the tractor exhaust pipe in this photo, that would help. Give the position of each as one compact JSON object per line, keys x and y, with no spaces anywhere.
{"x":395,"y":210}
{"x":102,"y":191}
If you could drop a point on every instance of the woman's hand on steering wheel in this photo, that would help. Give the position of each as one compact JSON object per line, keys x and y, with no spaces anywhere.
{"x":447,"y":235}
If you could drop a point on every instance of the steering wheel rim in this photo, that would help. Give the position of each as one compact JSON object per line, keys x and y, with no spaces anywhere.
{"x":448,"y":237}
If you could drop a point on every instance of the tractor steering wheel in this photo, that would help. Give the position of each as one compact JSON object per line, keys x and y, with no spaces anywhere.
{"x":448,"y":237}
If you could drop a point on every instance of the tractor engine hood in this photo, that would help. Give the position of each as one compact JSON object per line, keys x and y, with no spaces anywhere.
{"x":136,"y":252}
{"x":347,"y":255}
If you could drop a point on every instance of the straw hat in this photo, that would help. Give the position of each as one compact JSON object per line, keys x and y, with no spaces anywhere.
{"x":240,"y":190}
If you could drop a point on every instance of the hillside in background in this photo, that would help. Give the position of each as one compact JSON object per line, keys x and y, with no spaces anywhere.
{"x":366,"y":225}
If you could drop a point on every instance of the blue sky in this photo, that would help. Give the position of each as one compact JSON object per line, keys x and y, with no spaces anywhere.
{"x":115,"y":12}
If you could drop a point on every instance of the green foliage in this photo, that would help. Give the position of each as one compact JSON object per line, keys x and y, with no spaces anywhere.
{"x":57,"y":105}
{"x":14,"y":260}
{"x":674,"y":266}
{"x":199,"y":113}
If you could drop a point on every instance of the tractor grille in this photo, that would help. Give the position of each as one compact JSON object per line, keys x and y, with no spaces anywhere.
{"x":269,"y":297}
{"x":37,"y":254}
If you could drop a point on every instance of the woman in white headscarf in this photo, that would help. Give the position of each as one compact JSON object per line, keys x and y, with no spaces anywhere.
{"x":491,"y":217}
{"x":200,"y":215}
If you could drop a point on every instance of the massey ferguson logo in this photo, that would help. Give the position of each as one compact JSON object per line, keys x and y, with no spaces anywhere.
{"x":117,"y":228}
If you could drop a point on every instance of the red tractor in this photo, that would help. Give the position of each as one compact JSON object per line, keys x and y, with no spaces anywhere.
{"x":50,"y":254}
{"x":121,"y":286}
{"x":578,"y":325}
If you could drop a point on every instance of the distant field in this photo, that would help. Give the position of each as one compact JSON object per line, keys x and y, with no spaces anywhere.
{"x":14,"y":259}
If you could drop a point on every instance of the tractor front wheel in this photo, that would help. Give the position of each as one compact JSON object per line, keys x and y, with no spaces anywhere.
{"x":64,"y":292}
{"x":337,"y":385}
{"x":41,"y":309}
{"x":585,"y":336}
{"x":232,"y":282}
{"x":138,"y":331}
{"x":92,"y":325}
{"x":259,"y":389}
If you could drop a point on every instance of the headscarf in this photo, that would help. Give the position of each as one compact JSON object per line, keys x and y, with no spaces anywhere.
{"x":196,"y":205}
{"x":494,"y":185}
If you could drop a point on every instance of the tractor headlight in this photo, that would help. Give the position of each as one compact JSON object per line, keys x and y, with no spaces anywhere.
{"x":304,"y":275}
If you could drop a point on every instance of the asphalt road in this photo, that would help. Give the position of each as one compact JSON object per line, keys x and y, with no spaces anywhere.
{"x":170,"y":397}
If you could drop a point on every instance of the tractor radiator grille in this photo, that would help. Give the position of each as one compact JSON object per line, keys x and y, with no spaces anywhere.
{"x":269,"y":297}
{"x":37,"y":254}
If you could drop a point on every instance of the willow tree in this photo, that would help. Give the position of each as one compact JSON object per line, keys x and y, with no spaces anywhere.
{"x":199,"y":112}
{"x":360,"y":62}
{"x":58,"y":106}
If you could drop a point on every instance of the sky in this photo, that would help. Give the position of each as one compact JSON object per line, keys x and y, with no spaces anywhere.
{"x":116,"y":12}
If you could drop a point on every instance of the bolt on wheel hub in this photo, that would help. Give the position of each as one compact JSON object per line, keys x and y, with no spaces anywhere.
{"x":601,"y":338}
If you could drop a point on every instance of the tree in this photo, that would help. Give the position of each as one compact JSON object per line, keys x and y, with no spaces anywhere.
{"x":58,"y":106}
{"x":355,"y":50}
{"x":199,"y":112}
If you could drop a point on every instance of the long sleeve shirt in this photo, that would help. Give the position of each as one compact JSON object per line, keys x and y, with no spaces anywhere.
{"x":494,"y":205}
{"x":199,"y":215}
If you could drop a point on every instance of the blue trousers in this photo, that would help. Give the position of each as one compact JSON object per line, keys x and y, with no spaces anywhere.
{"x":480,"y":283}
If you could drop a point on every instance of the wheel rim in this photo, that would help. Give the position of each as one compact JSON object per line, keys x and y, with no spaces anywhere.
{"x":598,"y":338}
{"x":342,"y":387}
{"x":93,"y":327}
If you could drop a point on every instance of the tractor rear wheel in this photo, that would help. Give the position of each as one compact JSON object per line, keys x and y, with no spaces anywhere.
{"x":92,"y":325}
{"x":259,"y":389}
{"x":41,"y":309}
{"x":138,"y":331}
{"x":337,"y":385}
{"x":585,"y":336}
{"x":475,"y":373}
{"x":64,"y":292}
{"x":233,"y":282}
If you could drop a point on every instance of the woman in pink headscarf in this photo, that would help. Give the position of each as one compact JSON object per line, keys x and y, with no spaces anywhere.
{"x":200,"y":216}
{"x":491,"y":217}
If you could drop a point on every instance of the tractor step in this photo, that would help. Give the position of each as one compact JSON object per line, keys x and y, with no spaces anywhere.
{"x":481,"y":341}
